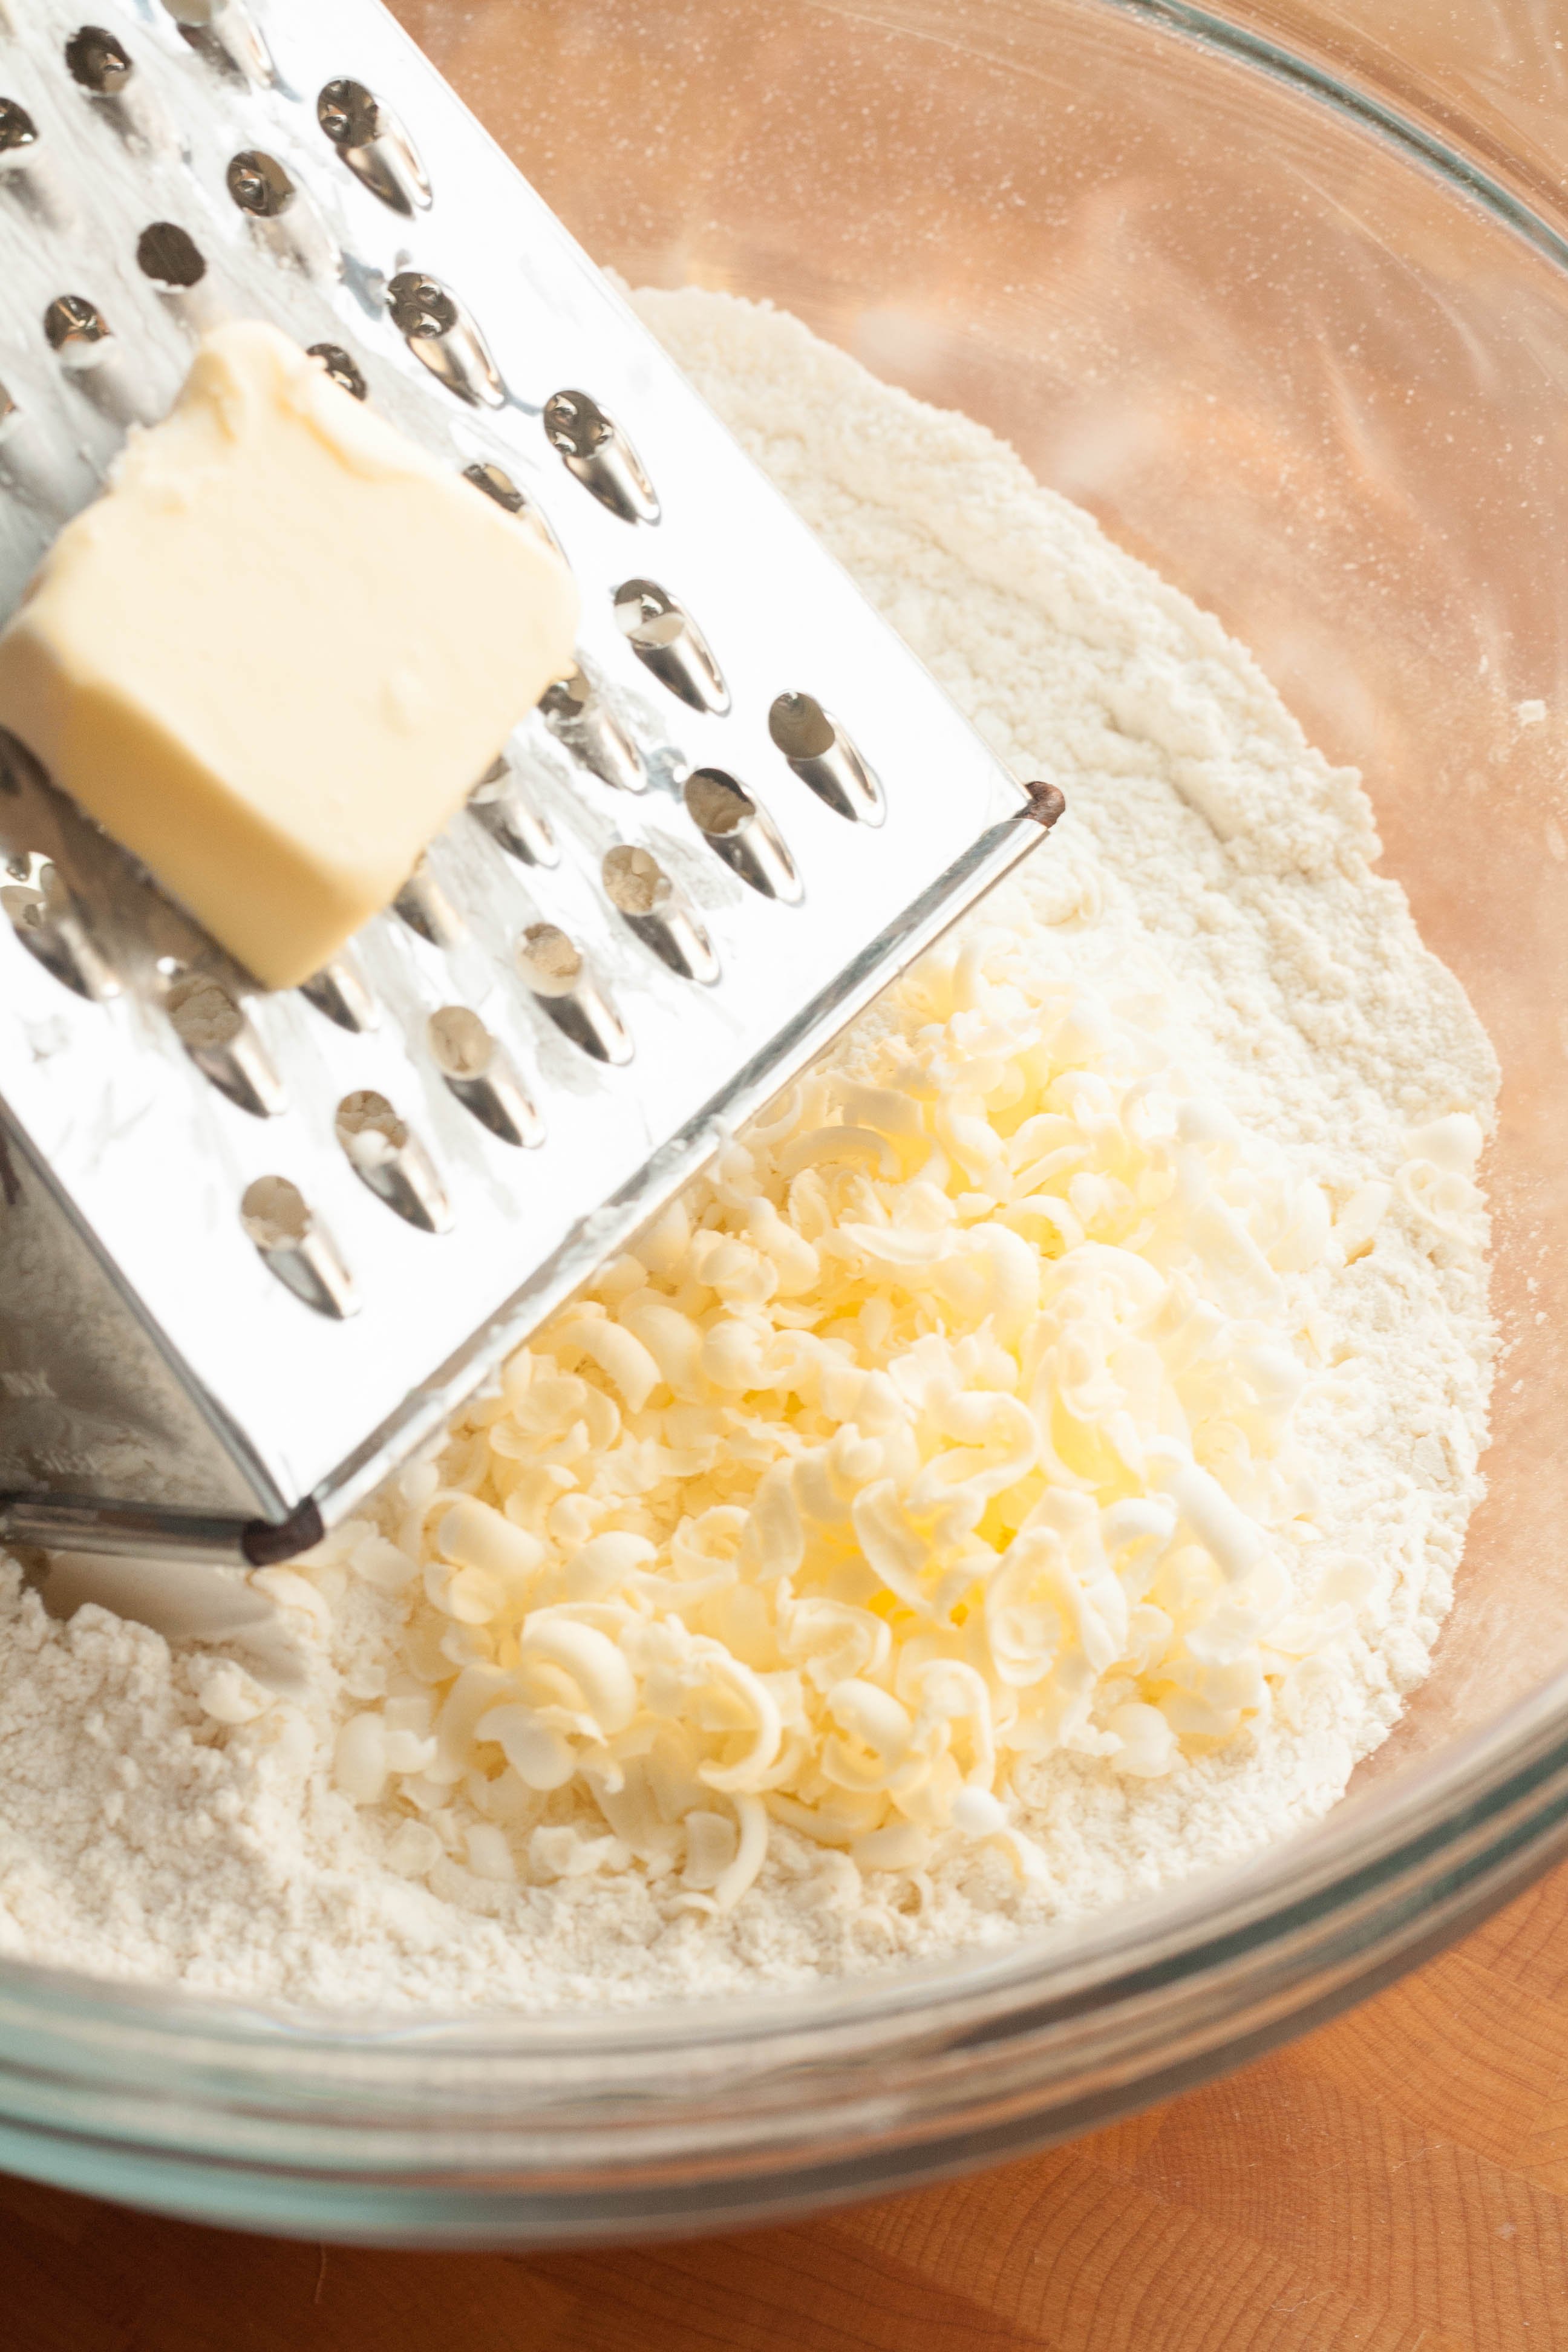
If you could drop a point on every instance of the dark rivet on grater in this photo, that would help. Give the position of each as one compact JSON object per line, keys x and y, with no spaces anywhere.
{"x":343,"y":369}
{"x":511,"y":819}
{"x":170,"y":256}
{"x":667,"y":641}
{"x":391,"y":1161}
{"x":47,"y":922}
{"x":643,"y":894}
{"x":1046,"y":804}
{"x":822,"y":755}
{"x":440,"y":333}
{"x":279,"y":1221}
{"x":564,"y":987}
{"x":374,"y":144}
{"x":498,"y":484}
{"x":479,"y":1072}
{"x":592,"y":445}
{"x":583,"y":722}
{"x":98,"y":62}
{"x":212,"y":1028}
{"x":742,"y":834}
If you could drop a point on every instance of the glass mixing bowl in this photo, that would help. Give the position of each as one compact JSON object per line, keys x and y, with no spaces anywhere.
{"x":1310,"y":358}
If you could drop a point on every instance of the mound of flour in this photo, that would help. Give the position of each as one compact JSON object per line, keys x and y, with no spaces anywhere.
{"x":161,"y":1818}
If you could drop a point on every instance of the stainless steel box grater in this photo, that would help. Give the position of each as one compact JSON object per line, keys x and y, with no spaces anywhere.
{"x":255,"y":1248}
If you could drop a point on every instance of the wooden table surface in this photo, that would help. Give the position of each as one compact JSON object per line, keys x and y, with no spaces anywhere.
{"x":1396,"y":2182}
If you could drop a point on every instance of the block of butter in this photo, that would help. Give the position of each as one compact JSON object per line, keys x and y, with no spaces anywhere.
{"x":277,"y":654}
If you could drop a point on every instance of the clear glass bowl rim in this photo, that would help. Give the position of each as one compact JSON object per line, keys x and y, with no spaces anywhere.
{"x":492,"y":2127}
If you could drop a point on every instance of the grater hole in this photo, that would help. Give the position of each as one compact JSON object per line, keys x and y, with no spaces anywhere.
{"x":350,"y":115}
{"x":45,"y":918}
{"x":638,"y":887}
{"x":96,"y":61}
{"x":592,"y":445}
{"x":582,"y":723}
{"x":275,"y":1213}
{"x":259,"y":185}
{"x":578,"y":427}
{"x":667,"y":641}
{"x":204,"y":1014}
{"x":211,"y":1025}
{"x":340,"y":992}
{"x":511,"y":819}
{"x":716,"y":803}
{"x":170,"y":255}
{"x":634,"y":881}
{"x":551,"y":963}
{"x":800,"y":726}
{"x":495,"y":483}
{"x":374,"y":144}
{"x":442,"y":336}
{"x":742,"y":835}
{"x":421,"y":307}
{"x":278,"y":1219}
{"x":368,"y":1128}
{"x":498,"y":484}
{"x":18,"y":131}
{"x":462,"y":1045}
{"x":387,"y":1158}
{"x":823,"y":757}
{"x":477,"y":1071}
{"x":344,"y":371}
{"x":554,"y":968}
{"x":427,"y":909}
{"x":225,"y":36}
{"x":77,"y":330}
{"x":566,"y":701}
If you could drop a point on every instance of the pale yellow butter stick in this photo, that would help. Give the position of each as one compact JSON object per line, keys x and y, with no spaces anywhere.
{"x":273,"y":658}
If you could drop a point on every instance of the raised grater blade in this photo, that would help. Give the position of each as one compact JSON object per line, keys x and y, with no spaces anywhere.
{"x":254,"y":1248}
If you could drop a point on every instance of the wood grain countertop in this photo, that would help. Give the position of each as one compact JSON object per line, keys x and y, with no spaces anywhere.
{"x":1396,"y":2182}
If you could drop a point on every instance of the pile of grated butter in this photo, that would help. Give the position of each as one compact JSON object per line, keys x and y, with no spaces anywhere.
{"x":1030,"y":1469}
{"x":950,"y":1422}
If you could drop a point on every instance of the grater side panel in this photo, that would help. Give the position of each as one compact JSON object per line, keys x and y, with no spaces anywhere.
{"x":787,"y":919}
{"x":91,"y":1408}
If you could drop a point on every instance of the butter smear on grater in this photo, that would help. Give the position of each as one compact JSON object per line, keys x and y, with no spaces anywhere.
{"x":273,"y":658}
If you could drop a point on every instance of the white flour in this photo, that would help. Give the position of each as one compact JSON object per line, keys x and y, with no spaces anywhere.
{"x":158,"y":1820}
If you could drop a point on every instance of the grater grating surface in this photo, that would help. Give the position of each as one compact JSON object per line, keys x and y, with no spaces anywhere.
{"x":255,"y":1248}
